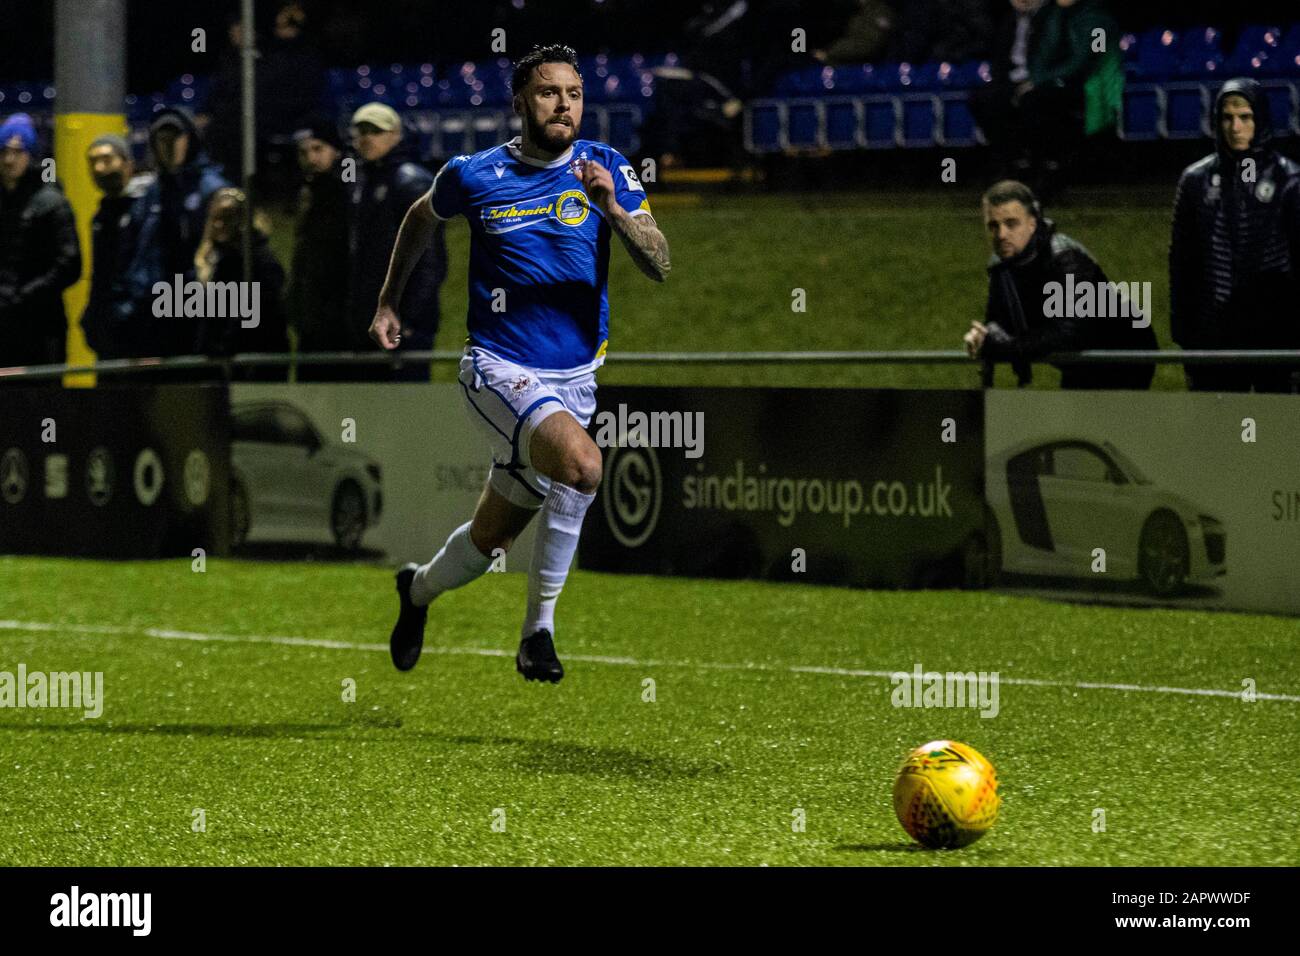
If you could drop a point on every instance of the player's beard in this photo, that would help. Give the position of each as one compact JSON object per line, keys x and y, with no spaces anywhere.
{"x":552,"y":137}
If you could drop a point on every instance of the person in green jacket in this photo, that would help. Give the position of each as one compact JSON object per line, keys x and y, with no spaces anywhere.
{"x":1064,"y":81}
{"x":1076,"y":83}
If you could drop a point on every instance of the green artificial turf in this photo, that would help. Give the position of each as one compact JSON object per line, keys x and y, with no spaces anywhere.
{"x":256,"y":733}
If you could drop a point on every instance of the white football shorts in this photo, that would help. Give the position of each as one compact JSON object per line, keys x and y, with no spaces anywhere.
{"x":508,"y":402}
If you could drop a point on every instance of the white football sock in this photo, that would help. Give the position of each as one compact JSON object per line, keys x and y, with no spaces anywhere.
{"x":553,"y":550}
{"x":459,"y":562}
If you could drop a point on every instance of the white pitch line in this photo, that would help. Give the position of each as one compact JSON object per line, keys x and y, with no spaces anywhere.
{"x":174,"y":635}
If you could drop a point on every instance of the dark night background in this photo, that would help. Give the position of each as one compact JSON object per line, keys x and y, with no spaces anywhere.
{"x":351,"y":32}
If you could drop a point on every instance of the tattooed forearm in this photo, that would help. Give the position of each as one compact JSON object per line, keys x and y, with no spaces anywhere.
{"x":645,"y":243}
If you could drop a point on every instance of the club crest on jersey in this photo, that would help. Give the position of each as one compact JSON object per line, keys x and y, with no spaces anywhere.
{"x":572,"y":207}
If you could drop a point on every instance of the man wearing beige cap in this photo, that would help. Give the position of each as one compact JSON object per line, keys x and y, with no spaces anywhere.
{"x":386,"y":186}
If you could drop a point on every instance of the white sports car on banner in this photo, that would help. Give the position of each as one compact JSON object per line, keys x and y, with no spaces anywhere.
{"x":1063,"y":506}
{"x":288,"y":480}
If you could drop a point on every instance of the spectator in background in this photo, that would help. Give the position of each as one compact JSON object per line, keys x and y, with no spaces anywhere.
{"x":318,"y":290}
{"x":1029,"y":256}
{"x":290,"y":84}
{"x":948,"y":31}
{"x":386,"y":187}
{"x":109,"y":323}
{"x":220,"y":258}
{"x":221,"y":120}
{"x":1234,"y":258}
{"x":171,"y":226}
{"x":1060,"y":81}
{"x":39,"y":253}
{"x":995,"y":106}
{"x":864,"y":37}
{"x":732,"y":50}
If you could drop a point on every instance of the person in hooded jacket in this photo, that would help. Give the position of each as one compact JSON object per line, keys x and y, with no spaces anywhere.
{"x":40,"y":255}
{"x":1030,"y":259}
{"x":1234,"y":255}
{"x":317,"y":298}
{"x":173,"y":216}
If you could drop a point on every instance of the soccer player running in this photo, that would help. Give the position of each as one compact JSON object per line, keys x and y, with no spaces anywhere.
{"x":540,"y":209}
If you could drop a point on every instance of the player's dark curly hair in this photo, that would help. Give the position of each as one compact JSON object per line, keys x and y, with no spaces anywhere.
{"x":551,"y":53}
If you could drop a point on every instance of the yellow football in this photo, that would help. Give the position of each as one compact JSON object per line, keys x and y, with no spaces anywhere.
{"x":946,"y":794}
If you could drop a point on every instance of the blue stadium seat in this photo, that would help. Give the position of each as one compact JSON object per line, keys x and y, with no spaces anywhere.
{"x":958,"y":127}
{"x":339,"y":81}
{"x":397,"y":75}
{"x":489,"y":129}
{"x":1128,"y":46}
{"x":188,"y":91}
{"x":804,"y":128}
{"x":593,"y":68}
{"x":920,"y":120}
{"x":806,"y":81}
{"x":1282,"y":106}
{"x":889,"y":77}
{"x":859,"y":78}
{"x":421,"y":93}
{"x":1186,"y":106}
{"x":964,"y":76}
{"x":652,"y":61}
{"x":918,"y":77}
{"x":1141,"y":113}
{"x":842,"y":122}
{"x":136,"y":107}
{"x":765,"y":128}
{"x":28,"y":97}
{"x":381,"y":91}
{"x":624,"y":126}
{"x":450,"y":139}
{"x":496,"y":82}
{"x":1201,"y":54}
{"x":1157,"y":55}
{"x":1258,"y":52}
{"x":880,"y":121}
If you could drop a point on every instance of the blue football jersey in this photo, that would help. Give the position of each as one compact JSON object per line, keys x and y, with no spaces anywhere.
{"x":539,"y":251}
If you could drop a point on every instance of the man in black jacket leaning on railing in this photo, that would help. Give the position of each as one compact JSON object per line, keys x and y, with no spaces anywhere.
{"x":1047,"y":295}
